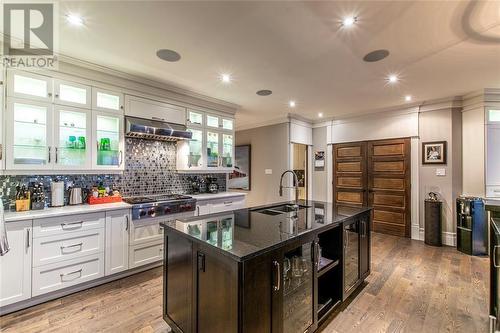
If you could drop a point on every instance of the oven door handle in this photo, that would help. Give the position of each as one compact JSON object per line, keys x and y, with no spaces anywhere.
{"x":495,"y":256}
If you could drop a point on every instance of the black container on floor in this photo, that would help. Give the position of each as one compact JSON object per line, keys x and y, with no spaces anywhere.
{"x":433,"y":222}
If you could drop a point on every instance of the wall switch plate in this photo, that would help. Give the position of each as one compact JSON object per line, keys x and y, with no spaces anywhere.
{"x":268,"y":171}
{"x":441,"y":172}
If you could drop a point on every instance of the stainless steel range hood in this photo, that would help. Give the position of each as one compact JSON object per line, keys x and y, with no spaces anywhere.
{"x":155,"y":130}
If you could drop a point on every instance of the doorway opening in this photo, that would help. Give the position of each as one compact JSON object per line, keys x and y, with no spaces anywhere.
{"x":301,"y":168}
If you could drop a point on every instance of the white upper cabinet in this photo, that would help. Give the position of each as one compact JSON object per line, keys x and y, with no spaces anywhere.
{"x":107,"y":100}
{"x":212,"y":147}
{"x":149,"y":109}
{"x":29,"y":135}
{"x":72,"y":94}
{"x":72,"y":138}
{"x":108,"y":141}
{"x":30,"y":86}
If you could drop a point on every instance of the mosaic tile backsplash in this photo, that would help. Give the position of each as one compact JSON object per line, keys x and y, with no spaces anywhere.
{"x":150,"y":168}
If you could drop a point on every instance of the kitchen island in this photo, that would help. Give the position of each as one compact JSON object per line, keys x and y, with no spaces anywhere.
{"x":277,"y":268}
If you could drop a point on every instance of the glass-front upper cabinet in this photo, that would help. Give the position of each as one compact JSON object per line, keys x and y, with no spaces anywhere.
{"x":227,"y":150}
{"x":195,"y":118}
{"x":107,"y":100}
{"x":195,"y":148}
{"x":29,"y":134}
{"x":212,"y":149}
{"x":108,"y":140}
{"x":72,"y":138}
{"x":29,"y":86}
{"x":72,"y":94}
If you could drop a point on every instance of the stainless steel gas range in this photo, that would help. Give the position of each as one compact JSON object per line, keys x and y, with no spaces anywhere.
{"x":168,"y":206}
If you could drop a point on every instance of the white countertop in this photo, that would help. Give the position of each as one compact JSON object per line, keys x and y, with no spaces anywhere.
{"x":220,"y":195}
{"x":61,"y":211}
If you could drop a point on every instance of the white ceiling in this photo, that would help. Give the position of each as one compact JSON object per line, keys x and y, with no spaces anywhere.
{"x":296,"y":49}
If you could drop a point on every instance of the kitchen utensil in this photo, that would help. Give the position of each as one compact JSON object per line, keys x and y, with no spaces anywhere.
{"x":57,"y":193}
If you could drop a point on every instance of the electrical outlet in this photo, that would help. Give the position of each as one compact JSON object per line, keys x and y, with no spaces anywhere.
{"x":441,"y":172}
{"x":268,"y":171}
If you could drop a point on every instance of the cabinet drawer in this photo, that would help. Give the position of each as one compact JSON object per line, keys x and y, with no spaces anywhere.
{"x":52,"y":249}
{"x":223,"y":205}
{"x":65,"y":224}
{"x":145,"y":232}
{"x":145,"y":254}
{"x":68,"y":273}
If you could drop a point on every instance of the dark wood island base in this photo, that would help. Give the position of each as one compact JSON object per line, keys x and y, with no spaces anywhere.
{"x":278,"y":268}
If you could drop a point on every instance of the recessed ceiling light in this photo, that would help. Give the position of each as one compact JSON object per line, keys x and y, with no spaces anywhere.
{"x":320,"y":114}
{"x":376,"y":55}
{"x":225,"y":78}
{"x":264,"y":92}
{"x":292,"y":104}
{"x":408,"y":98}
{"x":393,"y":78}
{"x":74,"y":19}
{"x":349,"y":21}
{"x":168,"y":55}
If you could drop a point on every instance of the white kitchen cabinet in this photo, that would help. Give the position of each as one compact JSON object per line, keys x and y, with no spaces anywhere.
{"x":15,"y":272}
{"x":72,"y":138}
{"x":154,"y":110}
{"x":30,"y":86}
{"x":117,"y":241}
{"x":211,"y":148}
{"x":72,"y":94}
{"x":144,"y":254}
{"x":2,"y":111}
{"x":218,"y":205}
{"x":29,"y":135}
{"x":107,"y":100}
{"x":108,"y":141}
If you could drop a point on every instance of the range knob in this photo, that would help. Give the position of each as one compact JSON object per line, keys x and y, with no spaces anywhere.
{"x":188,"y":207}
{"x":142,"y":213}
{"x":167,"y":210}
{"x":151,"y":212}
{"x":182,"y":208}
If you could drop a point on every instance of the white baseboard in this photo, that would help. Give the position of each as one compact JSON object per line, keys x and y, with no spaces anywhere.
{"x":447,"y":238}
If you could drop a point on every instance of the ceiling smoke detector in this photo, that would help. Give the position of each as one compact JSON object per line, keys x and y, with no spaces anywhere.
{"x":376,"y":55}
{"x":168,"y":55}
{"x":264,"y":92}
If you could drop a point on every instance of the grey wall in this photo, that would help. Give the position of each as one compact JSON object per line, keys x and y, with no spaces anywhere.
{"x":270,"y":150}
{"x":320,"y":191}
{"x":442,"y":125}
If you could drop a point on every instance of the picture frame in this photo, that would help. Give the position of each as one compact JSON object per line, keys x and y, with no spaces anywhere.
{"x":434,"y":152}
{"x":240,"y":178}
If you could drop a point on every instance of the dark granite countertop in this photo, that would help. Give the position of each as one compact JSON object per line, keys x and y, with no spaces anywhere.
{"x":245,"y":233}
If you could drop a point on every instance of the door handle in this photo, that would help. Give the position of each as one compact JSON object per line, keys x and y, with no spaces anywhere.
{"x":201,"y":262}
{"x":277,"y":286}
{"x":127,"y":224}
{"x":121,"y":158}
{"x":49,"y":152}
{"x":495,"y":256}
{"x":28,"y":243}
{"x":57,"y":150}
{"x":72,"y":225}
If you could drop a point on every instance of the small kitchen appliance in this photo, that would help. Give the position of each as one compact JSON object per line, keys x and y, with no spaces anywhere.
{"x":57,"y":193}
{"x":212,"y":186}
{"x":77,"y":196}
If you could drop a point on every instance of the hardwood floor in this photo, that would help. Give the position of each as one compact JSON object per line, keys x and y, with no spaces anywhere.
{"x":412,"y":288}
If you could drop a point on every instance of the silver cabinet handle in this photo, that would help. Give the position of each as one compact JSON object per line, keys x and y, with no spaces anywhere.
{"x":57,"y":150}
{"x":28,"y":242}
{"x":495,"y":256}
{"x":49,"y":152}
{"x":49,"y":94}
{"x":57,"y":95}
{"x":1,"y":151}
{"x":127,"y":225}
{"x":71,"y":273}
{"x":70,"y":246}
{"x":71,"y":225}
{"x":227,"y":203}
{"x":197,"y":210}
{"x":156,"y":118}
{"x":277,"y":287}
{"x":121,"y":158}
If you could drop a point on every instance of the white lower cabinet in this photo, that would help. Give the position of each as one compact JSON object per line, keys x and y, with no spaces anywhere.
{"x":117,"y":239}
{"x":15,"y":265}
{"x":144,"y":254}
{"x":67,"y":273}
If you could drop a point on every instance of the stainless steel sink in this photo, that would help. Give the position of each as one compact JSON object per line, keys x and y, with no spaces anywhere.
{"x":281,"y":209}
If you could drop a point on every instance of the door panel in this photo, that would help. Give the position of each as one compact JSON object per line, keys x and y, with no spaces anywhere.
{"x":377,"y":174}
{"x":389,"y":185}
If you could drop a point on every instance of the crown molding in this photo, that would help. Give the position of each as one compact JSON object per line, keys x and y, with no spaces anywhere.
{"x":275,"y":121}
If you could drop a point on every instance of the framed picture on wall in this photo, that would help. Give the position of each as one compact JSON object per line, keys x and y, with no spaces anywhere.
{"x":434,"y":152}
{"x":239,"y":179}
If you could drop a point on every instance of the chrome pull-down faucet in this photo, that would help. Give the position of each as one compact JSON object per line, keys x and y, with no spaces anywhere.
{"x":296,"y":187}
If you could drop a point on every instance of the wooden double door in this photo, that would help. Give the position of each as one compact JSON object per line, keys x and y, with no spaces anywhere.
{"x":376,"y":174}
